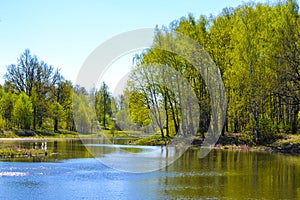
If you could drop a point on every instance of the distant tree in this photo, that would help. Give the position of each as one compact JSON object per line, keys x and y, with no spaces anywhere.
{"x":35,"y":78}
{"x":103,"y":101}
{"x":28,"y":73}
{"x":66,"y":93}
{"x":83,"y":113}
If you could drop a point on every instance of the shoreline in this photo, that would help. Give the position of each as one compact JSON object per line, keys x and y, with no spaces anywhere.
{"x":246,"y":148}
{"x":39,"y":139}
{"x":290,"y":145}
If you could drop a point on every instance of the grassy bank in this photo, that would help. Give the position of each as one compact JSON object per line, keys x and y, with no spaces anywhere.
{"x":153,"y":141}
{"x":62,"y":134}
{"x":20,"y":152}
{"x":36,"y":134}
{"x":287,"y":143}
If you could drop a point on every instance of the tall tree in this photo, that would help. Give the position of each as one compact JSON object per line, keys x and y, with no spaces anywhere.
{"x":103,"y":102}
{"x":35,"y":78}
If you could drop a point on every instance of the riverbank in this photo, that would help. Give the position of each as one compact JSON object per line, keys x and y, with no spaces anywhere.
{"x":10,"y":133}
{"x":286,"y":143}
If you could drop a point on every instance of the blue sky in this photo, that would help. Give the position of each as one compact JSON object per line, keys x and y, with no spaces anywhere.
{"x":64,"y":33}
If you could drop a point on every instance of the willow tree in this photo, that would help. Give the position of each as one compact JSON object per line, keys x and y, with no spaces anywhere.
{"x":256,"y":47}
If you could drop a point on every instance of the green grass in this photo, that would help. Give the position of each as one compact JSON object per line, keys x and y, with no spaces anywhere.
{"x":8,"y":134}
{"x":286,"y":140}
{"x":16,"y":152}
{"x":152,"y":141}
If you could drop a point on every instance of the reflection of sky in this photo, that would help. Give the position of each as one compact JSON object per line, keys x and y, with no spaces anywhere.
{"x":74,"y":179}
{"x":125,"y":158}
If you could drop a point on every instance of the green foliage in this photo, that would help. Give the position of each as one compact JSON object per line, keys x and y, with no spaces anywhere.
{"x":256,"y":46}
{"x":138,"y":110}
{"x":57,"y":113}
{"x":152,"y":140}
{"x":123,"y":120}
{"x":266,"y":126}
{"x":84,"y":116}
{"x":2,"y":123}
{"x":22,"y":111}
{"x":49,"y":93}
{"x":6,"y":108}
{"x":237,"y":139}
{"x":103,"y":101}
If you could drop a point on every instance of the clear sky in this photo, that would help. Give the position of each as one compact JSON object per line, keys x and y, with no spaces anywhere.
{"x":64,"y":33}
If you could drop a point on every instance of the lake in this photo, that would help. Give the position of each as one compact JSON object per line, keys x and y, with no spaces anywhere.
{"x":71,"y":172}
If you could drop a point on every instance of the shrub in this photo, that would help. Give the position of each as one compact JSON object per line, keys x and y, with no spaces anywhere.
{"x":266,"y":128}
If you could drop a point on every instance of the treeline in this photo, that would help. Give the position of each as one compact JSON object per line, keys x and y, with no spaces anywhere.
{"x":255,"y":46}
{"x":35,"y":96}
{"x":257,"y":49}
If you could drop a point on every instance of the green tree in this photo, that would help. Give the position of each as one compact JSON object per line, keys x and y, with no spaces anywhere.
{"x":22,"y":112}
{"x":7,"y":102}
{"x":83,"y":113}
{"x":287,"y":48}
{"x":139,"y":112}
{"x":66,"y":102}
{"x":32,"y":77}
{"x":103,"y":100}
{"x":57,"y":113}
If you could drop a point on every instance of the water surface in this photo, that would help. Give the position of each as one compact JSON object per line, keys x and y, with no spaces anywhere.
{"x":72,"y":173}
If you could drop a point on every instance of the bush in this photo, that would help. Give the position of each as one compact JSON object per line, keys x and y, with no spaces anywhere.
{"x":266,"y":128}
{"x":25,"y":133}
{"x":152,"y":141}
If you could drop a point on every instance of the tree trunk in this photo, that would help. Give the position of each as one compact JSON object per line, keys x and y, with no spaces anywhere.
{"x":162,"y":132}
{"x":34,"y":119}
{"x":294,"y":118}
{"x":166,"y":111}
{"x":104,"y":111}
{"x":55,"y":125}
{"x":256,"y":120}
{"x":176,"y":126}
{"x":235,"y":125}
{"x":191,"y":122}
